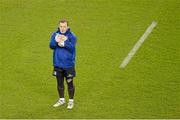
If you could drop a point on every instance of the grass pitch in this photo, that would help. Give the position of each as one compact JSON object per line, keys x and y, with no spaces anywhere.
{"x":148,"y":87}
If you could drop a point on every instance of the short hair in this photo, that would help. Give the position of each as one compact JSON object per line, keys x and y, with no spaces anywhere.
{"x":64,"y":21}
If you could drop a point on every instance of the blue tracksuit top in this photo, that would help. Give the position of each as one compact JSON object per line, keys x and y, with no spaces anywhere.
{"x":64,"y":57}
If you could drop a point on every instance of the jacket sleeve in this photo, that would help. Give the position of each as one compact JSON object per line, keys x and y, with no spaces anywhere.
{"x":70,"y":43}
{"x":53,"y":44}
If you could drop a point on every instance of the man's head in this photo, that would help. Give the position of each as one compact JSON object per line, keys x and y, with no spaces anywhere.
{"x":63,"y":26}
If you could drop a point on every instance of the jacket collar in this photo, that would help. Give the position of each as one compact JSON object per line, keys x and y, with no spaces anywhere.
{"x":68,"y":31}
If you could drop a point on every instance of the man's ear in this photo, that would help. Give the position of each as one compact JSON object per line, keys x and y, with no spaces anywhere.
{"x":58,"y":29}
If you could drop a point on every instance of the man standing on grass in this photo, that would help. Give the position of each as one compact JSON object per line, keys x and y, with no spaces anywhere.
{"x":63,"y":43}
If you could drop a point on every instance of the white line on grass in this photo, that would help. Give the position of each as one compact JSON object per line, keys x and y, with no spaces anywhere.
{"x":138,"y":44}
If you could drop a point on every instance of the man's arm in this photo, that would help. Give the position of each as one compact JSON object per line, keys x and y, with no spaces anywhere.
{"x":70,"y":43}
{"x":53,"y":44}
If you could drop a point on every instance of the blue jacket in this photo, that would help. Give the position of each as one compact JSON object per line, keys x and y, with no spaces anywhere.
{"x":64,"y":57}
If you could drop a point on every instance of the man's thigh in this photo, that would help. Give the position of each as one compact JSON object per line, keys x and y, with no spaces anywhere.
{"x":70,"y":72}
{"x":58,"y":72}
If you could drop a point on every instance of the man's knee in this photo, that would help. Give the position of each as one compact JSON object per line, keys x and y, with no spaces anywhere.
{"x":70,"y":83}
{"x":60,"y":87}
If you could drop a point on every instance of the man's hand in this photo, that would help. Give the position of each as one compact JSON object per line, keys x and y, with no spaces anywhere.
{"x":61,"y":38}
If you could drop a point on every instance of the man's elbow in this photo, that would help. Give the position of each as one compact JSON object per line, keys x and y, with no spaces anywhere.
{"x":51,"y":46}
{"x":71,"y":49}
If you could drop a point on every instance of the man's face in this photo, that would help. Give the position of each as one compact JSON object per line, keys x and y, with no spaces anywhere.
{"x":63,"y":27}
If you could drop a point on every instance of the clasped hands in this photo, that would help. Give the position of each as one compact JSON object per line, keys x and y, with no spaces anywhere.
{"x":61,"y":38}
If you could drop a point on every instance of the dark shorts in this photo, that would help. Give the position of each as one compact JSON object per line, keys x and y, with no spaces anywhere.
{"x":66,"y":72}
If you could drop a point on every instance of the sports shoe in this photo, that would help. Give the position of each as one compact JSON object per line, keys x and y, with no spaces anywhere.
{"x":70,"y":105}
{"x":59,"y":103}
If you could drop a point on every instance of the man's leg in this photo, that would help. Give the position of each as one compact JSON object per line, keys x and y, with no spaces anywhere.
{"x":60,"y":84}
{"x":70,"y":73}
{"x":71,"y":90}
{"x":60,"y":88}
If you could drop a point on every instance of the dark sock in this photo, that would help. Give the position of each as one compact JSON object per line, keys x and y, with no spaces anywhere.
{"x":61,"y":92}
{"x":71,"y":93}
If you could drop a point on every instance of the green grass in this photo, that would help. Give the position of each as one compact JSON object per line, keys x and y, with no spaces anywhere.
{"x":148,"y":87}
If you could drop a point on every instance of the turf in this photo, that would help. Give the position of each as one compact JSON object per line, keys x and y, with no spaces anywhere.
{"x":148,"y":87}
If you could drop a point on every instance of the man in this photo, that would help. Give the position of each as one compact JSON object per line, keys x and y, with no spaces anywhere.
{"x":63,"y":43}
